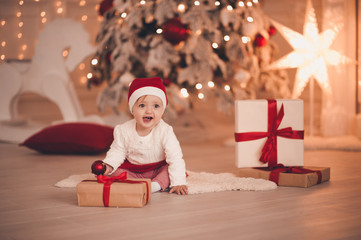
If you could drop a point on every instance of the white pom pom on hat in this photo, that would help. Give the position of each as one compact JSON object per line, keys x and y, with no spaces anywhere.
{"x":146,"y":86}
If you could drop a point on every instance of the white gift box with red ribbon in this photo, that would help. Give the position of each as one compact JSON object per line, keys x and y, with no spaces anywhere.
{"x":269,"y":132}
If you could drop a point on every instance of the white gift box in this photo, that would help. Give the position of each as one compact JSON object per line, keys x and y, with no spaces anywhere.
{"x":252,"y":116}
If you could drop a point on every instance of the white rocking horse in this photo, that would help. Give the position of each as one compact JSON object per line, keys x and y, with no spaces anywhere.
{"x":48,"y":72}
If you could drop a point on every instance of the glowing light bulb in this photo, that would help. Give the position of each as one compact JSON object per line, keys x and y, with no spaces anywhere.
{"x":199,"y":86}
{"x":200,"y":95}
{"x":20,"y":35}
{"x":196,"y":3}
{"x":123,"y":15}
{"x":21,"y":2}
{"x":229,"y":8}
{"x":227,"y":88}
{"x":84,"y":18}
{"x":89,"y":75}
{"x":65,"y":53}
{"x":249,"y":19}
{"x":184,"y":92}
{"x":18,"y":14}
{"x":245,"y":39}
{"x":214,"y":45}
{"x":249,"y":4}
{"x":83,"y":80}
{"x":226,"y":38}
{"x":94,"y":61}
{"x":210,"y":84}
{"x":181,"y":8}
{"x":241,"y":4}
{"x":42,"y":14}
{"x":60,"y":10}
{"x":3,"y":43}
{"x":82,"y":66}
{"x":43,"y":20}
{"x":217,"y":3}
{"x":24,"y":47}
{"x":82,"y":3}
{"x":159,"y":31}
{"x":2,"y":57}
{"x":142,"y":2}
{"x":21,"y":24}
{"x":3,"y":22}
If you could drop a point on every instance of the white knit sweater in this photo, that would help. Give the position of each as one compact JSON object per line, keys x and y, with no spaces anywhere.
{"x":161,"y":143}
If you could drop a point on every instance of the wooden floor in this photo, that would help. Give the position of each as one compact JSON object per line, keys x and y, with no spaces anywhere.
{"x":32,"y":208}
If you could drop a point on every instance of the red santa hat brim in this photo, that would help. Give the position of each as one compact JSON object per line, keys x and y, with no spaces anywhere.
{"x":146,"y":86}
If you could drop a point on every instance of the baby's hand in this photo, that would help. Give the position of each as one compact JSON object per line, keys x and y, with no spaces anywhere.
{"x":108,"y":170}
{"x":180,"y":190}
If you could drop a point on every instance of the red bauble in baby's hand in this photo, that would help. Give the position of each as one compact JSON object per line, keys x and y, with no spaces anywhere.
{"x":98,"y":167}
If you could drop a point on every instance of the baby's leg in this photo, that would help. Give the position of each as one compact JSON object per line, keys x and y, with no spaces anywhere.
{"x":161,"y":176}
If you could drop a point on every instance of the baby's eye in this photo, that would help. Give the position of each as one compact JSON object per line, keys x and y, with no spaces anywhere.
{"x":156,"y":105}
{"x":141,"y":105}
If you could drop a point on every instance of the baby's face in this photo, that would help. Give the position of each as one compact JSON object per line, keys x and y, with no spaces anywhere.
{"x":147,"y":111}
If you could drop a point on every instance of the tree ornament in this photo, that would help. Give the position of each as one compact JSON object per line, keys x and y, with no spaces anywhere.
{"x":167,"y":82}
{"x":260,"y":40}
{"x":108,"y":57}
{"x":94,"y":81}
{"x":98,"y":167}
{"x":104,"y":6}
{"x":174,"y":31}
{"x":272,"y":30}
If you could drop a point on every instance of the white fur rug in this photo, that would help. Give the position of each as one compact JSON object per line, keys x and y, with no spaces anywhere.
{"x":199,"y":182}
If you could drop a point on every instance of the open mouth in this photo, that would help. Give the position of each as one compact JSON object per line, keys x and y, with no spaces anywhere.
{"x":147,"y":119}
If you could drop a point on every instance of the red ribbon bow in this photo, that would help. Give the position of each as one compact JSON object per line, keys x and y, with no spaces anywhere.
{"x":275,"y":172}
{"x":269,"y":150}
{"x":107,"y":181}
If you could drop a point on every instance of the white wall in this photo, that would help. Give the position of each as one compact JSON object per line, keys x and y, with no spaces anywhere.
{"x":286,"y":12}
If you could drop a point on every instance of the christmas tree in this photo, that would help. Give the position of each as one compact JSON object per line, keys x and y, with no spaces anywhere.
{"x":201,"y":49}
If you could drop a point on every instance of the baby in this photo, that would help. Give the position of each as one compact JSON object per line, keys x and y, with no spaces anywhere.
{"x":146,"y":146}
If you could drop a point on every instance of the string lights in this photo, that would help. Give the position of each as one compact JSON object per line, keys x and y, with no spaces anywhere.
{"x":19,"y":29}
{"x":58,"y":8}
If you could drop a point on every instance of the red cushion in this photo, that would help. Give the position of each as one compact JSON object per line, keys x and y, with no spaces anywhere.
{"x":71,"y":138}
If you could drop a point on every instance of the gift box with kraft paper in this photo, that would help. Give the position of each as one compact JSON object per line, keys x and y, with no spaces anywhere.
{"x":122,"y":194}
{"x":290,"y":179}
{"x":253,"y":117}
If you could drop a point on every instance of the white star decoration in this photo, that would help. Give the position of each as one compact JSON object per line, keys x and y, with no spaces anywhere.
{"x":311,"y":53}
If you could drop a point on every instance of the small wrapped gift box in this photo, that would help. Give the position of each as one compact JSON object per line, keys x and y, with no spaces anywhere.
{"x":289,"y":176}
{"x":114,"y":192}
{"x":269,"y":132}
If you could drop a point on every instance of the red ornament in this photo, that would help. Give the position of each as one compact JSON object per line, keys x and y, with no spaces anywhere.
{"x":272,"y":30}
{"x":174,"y":31}
{"x":104,"y":6}
{"x":94,"y":81}
{"x":260,"y":40}
{"x":98,"y":167}
{"x":167,"y":82}
{"x":108,"y":57}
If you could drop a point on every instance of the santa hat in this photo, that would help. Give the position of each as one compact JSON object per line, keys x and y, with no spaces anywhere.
{"x":146,"y":86}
